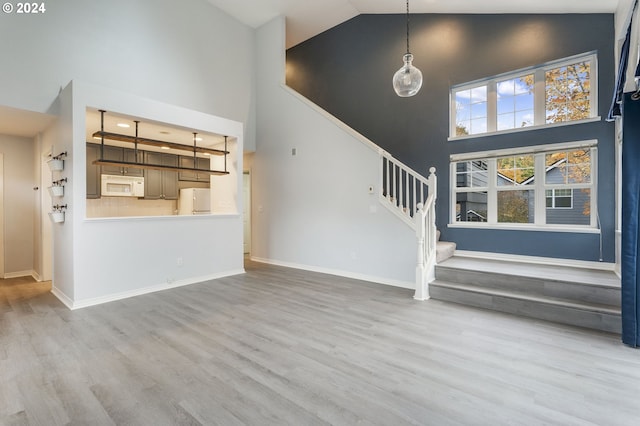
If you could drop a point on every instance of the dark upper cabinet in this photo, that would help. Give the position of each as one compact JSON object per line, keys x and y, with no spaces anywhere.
{"x":161,"y":184}
{"x":201,"y":163}
{"x":116,"y":153}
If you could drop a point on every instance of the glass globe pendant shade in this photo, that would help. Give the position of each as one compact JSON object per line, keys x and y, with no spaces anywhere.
{"x":407,"y":81}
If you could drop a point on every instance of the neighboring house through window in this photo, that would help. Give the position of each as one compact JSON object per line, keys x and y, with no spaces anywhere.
{"x":545,"y":186}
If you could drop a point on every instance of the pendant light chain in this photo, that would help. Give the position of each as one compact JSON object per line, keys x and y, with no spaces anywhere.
{"x":407,"y":81}
{"x":408,"y":26}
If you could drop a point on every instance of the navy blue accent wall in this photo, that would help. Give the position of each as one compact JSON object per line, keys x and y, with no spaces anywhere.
{"x":347,"y":70}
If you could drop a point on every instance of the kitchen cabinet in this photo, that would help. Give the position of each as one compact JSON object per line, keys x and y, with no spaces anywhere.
{"x":93,"y":171}
{"x":201,"y":163}
{"x":160,"y":184}
{"x":117,"y":153}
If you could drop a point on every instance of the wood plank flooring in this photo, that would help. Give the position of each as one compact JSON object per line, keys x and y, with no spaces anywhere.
{"x":278,"y":346}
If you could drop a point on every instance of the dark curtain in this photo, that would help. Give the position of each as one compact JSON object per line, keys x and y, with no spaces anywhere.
{"x":614,"y":110}
{"x":631,"y":222}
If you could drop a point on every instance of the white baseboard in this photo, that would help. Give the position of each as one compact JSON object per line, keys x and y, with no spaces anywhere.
{"x":20,"y":274}
{"x":85,"y":303}
{"x":339,"y":273}
{"x":604,"y":266}
{"x":62,"y":297}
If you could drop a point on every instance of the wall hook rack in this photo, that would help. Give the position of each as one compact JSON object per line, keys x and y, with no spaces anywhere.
{"x":60,"y":156}
{"x":59,"y":182}
{"x":59,"y":207}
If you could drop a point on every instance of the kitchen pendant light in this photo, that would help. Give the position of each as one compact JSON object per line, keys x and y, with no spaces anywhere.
{"x":407,"y":81}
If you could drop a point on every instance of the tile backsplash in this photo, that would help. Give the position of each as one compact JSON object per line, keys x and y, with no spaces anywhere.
{"x":130,"y":206}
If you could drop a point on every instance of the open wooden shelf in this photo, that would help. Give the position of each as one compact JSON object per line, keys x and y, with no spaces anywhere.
{"x":157,"y":167}
{"x":157,"y":143}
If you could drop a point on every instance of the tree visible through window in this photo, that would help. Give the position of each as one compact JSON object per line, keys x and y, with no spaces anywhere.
{"x":567,"y":92}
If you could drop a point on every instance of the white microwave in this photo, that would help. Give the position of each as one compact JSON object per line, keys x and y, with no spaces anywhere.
{"x":122,"y":186}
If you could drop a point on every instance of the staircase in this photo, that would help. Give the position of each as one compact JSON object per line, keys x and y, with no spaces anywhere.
{"x":412,"y":198}
{"x":569,"y":295}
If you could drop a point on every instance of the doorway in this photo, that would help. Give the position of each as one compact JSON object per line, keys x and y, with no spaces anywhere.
{"x":246,"y":216}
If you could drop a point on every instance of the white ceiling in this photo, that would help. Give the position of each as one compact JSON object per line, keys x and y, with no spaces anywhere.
{"x":26,"y":124}
{"x":307,"y":18}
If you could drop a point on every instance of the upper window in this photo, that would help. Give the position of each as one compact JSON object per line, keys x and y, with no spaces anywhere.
{"x":558,"y":92}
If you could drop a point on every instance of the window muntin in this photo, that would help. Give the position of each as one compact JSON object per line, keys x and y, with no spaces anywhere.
{"x":538,"y":188}
{"x":567,"y":92}
{"x":471,"y":174}
{"x":559,"y":92}
{"x":515,"y":170}
{"x":515,"y":106}
{"x":571,"y":167}
{"x":471,"y":111}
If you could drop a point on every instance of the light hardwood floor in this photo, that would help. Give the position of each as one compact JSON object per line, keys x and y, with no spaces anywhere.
{"x":278,"y":346}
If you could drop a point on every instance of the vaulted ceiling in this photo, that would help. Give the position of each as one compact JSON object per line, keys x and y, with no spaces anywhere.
{"x":307,"y":18}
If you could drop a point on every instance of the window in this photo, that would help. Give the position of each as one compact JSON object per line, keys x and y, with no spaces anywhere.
{"x":547,"y":186}
{"x":515,"y":102}
{"x":559,"y":198}
{"x":558,"y":92}
{"x":471,"y":111}
{"x":514,"y":176}
{"x":567,"y":92}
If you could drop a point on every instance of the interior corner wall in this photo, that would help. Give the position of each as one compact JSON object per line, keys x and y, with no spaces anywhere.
{"x":311,"y":208}
{"x":187,"y":53}
{"x":63,"y":245}
{"x":37,"y":221}
{"x":19,"y":204}
{"x":47,"y":140}
{"x":347,"y":71}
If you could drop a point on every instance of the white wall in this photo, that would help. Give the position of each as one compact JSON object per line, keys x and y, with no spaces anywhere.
{"x":19,"y":204}
{"x":313,"y":210}
{"x":97,"y":260}
{"x":186,"y":53}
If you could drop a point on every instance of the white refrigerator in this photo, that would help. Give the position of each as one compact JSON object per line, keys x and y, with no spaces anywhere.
{"x":194,"y":201}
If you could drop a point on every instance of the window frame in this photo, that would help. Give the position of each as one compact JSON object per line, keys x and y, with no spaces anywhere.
{"x":539,"y":98}
{"x":539,"y":187}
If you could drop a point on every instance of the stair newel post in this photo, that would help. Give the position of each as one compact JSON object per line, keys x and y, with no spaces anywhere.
{"x":431,"y":222}
{"x":421,"y":271}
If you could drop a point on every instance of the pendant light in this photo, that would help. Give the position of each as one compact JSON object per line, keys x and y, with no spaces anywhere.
{"x":407,"y":81}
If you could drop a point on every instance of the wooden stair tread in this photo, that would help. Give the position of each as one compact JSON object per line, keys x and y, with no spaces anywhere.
{"x":584,"y":276}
